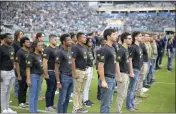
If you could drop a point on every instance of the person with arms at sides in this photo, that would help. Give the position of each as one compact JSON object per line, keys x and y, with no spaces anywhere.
{"x":107,"y":70}
{"x":149,"y":52}
{"x":160,"y":51}
{"x":123,"y":70}
{"x":49,"y":73}
{"x":135,"y":62}
{"x":7,"y":72}
{"x":102,"y":43}
{"x":150,"y":75}
{"x":63,"y":70}
{"x":90,"y":59}
{"x":34,"y":72}
{"x":170,"y":51}
{"x":16,"y":45}
{"x":144,"y":69}
{"x":20,"y":62}
{"x":40,"y":37}
{"x":79,"y":72}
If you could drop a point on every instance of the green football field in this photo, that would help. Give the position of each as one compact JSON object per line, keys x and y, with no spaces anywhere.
{"x":161,"y":95}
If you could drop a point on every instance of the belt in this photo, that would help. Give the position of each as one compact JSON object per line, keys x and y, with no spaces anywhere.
{"x":109,"y":76}
{"x":82,"y":69}
{"x":51,"y":71}
{"x":66,"y":73}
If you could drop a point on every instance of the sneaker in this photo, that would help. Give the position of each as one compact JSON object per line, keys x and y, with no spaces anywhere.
{"x":84,"y":110}
{"x":5,"y":111}
{"x":91,"y":102}
{"x":10,"y":101}
{"x":77,"y":111}
{"x":56,"y":92}
{"x":22,"y":105}
{"x":137,"y":101}
{"x":87,"y":104}
{"x":147,"y":86}
{"x":132,"y":110}
{"x":70,"y":100}
{"x":98,"y":97}
{"x":27,"y":104}
{"x":54,"y":107}
{"x":11,"y":111}
{"x":50,"y":109}
{"x":143,"y":96}
{"x":144,"y":89}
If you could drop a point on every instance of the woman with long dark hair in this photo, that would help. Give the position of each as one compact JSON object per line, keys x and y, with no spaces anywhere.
{"x":34,"y":71}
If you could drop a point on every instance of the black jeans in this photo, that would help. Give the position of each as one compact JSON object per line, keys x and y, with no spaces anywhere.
{"x":22,"y":90}
{"x":51,"y":88}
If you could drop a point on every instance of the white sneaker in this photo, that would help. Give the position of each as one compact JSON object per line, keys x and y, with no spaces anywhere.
{"x":22,"y":105}
{"x":50,"y":109}
{"x":70,"y":100}
{"x":145,"y":90}
{"x":56,"y":92}
{"x":11,"y":111}
{"x":5,"y":111}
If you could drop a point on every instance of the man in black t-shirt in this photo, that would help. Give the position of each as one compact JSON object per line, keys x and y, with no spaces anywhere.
{"x":79,"y":72}
{"x":16,"y":45}
{"x":135,"y":61}
{"x":63,"y":69}
{"x":107,"y":70}
{"x":123,"y":70}
{"x":20,"y":60}
{"x":7,"y":72}
{"x":144,"y":68}
{"x":49,"y":74}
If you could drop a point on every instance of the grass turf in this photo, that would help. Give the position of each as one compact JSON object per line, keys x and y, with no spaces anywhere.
{"x":161,"y":94}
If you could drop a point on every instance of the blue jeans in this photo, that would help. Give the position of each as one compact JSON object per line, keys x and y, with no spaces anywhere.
{"x":65,"y":93}
{"x":51,"y":88}
{"x":107,"y":94}
{"x":169,"y":63}
{"x":16,"y":86}
{"x":131,"y":89}
{"x":34,"y":92}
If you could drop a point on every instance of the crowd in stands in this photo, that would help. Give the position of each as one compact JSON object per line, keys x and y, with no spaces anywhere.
{"x":58,"y":17}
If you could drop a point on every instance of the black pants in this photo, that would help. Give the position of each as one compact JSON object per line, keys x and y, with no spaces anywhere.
{"x":51,"y":88}
{"x":22,"y":90}
{"x":98,"y":88}
{"x":161,"y":58}
{"x":158,"y":59}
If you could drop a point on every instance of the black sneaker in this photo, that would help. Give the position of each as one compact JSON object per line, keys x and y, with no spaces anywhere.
{"x":91,"y":102}
{"x":98,"y":97}
{"x":147,"y":86}
{"x":87,"y":104}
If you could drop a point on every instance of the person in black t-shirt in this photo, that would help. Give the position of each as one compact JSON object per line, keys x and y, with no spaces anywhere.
{"x":7,"y":72}
{"x":144,"y":68}
{"x":16,"y":45}
{"x":20,"y":60}
{"x":123,"y":70}
{"x":79,"y":72}
{"x":63,"y":69}
{"x":40,"y":37}
{"x":90,"y":59}
{"x":49,"y":74}
{"x":34,"y":72}
{"x":107,"y":70}
{"x":102,"y":43}
{"x":74,"y":39}
{"x":135,"y":61}
{"x":1,"y":39}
